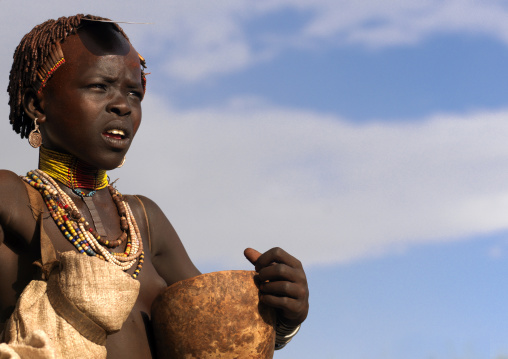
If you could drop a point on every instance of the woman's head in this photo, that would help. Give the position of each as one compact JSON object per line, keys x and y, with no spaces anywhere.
{"x":87,"y":105}
{"x":36,"y":59}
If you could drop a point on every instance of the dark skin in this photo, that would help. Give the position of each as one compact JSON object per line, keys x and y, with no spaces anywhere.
{"x":98,"y":89}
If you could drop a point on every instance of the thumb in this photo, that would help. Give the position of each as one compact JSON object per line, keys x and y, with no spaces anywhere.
{"x":252,"y":255}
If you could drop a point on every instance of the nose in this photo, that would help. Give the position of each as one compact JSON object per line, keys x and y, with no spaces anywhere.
{"x":119,"y":105}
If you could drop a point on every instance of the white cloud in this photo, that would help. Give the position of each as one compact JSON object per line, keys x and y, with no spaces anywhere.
{"x":328,"y":190}
{"x":198,"y":39}
{"x":393,"y":22}
{"x":252,"y":174}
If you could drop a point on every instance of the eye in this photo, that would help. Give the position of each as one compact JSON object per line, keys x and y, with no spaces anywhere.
{"x":97,"y":86}
{"x":135,"y":93}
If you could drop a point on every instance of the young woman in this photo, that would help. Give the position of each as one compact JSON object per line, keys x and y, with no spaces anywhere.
{"x":76,"y":87}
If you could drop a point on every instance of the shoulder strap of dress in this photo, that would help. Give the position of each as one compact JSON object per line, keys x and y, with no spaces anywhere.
{"x":48,"y":254}
{"x":147,"y":222}
{"x":36,"y":202}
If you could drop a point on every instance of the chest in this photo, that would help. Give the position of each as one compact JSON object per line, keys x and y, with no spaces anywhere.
{"x":22,"y":271}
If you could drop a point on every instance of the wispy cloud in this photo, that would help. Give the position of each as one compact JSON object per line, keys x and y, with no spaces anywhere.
{"x":254,"y":174}
{"x":197,"y":39}
{"x":251,"y":174}
{"x":209,"y":40}
{"x":395,"y":22}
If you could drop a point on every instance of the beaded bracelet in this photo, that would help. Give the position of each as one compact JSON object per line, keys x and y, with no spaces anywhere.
{"x":284,"y":333}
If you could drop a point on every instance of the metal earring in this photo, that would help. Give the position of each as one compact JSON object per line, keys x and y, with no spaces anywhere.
{"x":35,"y":138}
{"x":121,"y":163}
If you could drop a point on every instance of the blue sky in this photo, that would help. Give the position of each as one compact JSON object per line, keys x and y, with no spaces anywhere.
{"x":367,"y":138}
{"x":378,"y":84}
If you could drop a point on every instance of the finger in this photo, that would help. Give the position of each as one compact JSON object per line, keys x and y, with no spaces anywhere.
{"x":277,"y":255}
{"x":252,"y":255}
{"x":291,"y":309}
{"x":284,"y":289}
{"x":280,"y":272}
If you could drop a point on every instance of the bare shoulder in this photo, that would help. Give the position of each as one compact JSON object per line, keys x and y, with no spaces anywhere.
{"x":8,"y":177}
{"x":169,"y":256}
{"x":160,"y":228}
{"x":144,"y":202}
{"x":10,"y":181}
{"x":13,"y":197}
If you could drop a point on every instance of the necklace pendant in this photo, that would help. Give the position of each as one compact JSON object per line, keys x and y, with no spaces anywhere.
{"x":97,"y":222}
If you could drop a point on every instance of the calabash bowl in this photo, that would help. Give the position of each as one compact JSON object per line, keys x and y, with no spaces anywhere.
{"x":213,"y":315}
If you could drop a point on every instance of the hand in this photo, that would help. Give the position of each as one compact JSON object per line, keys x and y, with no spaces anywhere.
{"x":283,"y":284}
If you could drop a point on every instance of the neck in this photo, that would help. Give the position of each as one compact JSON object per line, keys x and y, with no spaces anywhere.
{"x":71,"y":171}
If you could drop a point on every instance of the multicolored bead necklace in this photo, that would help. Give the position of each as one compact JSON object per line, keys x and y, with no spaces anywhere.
{"x":70,"y":171}
{"x":79,"y":232}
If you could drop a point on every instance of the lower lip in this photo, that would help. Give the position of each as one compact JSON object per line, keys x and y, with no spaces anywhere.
{"x":116,"y":141}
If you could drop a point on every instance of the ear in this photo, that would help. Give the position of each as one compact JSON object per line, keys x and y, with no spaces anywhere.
{"x":33,"y":104}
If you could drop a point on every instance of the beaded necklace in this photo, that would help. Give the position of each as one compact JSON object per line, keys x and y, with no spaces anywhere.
{"x":79,"y":232}
{"x":75,"y":174}
{"x":70,"y":171}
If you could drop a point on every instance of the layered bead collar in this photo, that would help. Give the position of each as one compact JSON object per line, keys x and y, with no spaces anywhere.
{"x":70,"y":171}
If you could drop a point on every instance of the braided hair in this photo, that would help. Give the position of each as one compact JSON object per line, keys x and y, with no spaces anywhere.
{"x":31,"y":54}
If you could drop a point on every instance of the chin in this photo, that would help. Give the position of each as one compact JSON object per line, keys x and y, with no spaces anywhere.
{"x":112,"y":165}
{"x":106,"y":164}
{"x":119,"y":162}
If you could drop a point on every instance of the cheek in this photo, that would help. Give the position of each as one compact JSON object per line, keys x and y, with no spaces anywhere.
{"x":137,"y":122}
{"x":58,"y":105}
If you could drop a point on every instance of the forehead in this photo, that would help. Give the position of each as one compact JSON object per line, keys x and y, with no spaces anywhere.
{"x":92,"y":45}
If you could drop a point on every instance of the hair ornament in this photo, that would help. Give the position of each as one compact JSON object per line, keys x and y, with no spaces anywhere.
{"x":55,"y":59}
{"x":38,"y":56}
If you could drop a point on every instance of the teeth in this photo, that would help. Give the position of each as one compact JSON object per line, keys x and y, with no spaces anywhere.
{"x":116,"y":132}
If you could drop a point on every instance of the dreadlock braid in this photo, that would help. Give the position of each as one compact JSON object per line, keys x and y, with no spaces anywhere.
{"x":31,"y":55}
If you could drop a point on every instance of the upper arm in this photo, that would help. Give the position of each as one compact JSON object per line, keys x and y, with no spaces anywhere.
{"x":17,"y":227}
{"x":8,"y":192}
{"x":169,"y":256}
{"x":15,"y":210}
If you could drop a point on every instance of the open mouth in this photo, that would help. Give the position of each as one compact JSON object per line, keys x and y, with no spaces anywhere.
{"x":115,"y":134}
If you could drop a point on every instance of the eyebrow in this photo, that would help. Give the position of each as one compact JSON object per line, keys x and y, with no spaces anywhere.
{"x":107,"y":77}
